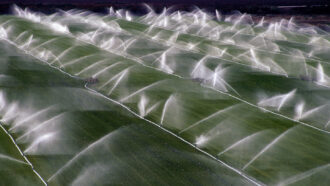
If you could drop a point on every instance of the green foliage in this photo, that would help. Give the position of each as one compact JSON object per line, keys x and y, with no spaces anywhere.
{"x":91,"y":100}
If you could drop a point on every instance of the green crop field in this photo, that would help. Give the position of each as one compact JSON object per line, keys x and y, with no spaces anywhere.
{"x":181,"y":98}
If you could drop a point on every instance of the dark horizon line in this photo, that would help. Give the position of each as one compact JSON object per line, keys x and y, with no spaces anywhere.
{"x":173,"y":2}
{"x":138,"y":7}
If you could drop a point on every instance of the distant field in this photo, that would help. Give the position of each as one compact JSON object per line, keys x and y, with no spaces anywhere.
{"x":181,"y":98}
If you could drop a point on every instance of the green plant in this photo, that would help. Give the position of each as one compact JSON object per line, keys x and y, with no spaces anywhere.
{"x":176,"y":99}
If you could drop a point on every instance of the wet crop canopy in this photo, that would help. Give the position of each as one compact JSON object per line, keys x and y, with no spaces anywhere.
{"x":176,"y":98}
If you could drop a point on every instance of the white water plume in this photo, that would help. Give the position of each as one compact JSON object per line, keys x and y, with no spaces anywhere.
{"x":261,"y":22}
{"x":203,"y":22}
{"x":27,"y":43}
{"x":9,"y":113}
{"x":34,"y":130}
{"x":26,"y":13}
{"x":320,"y":74}
{"x":218,"y":15}
{"x":120,"y":77}
{"x":302,"y":114}
{"x":218,"y":80}
{"x":142,"y":105}
{"x":166,"y":105}
{"x":277,"y":101}
{"x":244,"y":140}
{"x":2,"y":101}
{"x":319,"y":41}
{"x":3,"y":33}
{"x":205,"y":138}
{"x":215,"y":78}
{"x":303,"y":175}
{"x":268,"y":146}
{"x":217,"y":113}
{"x":103,"y":70}
{"x":43,"y":19}
{"x":94,"y":21}
{"x":6,"y":157}
{"x":256,"y":61}
{"x":37,"y":144}
{"x":25,"y":117}
{"x":45,"y":54}
{"x":201,"y":140}
{"x":163,"y":64}
{"x":141,"y":90}
{"x":59,"y":28}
